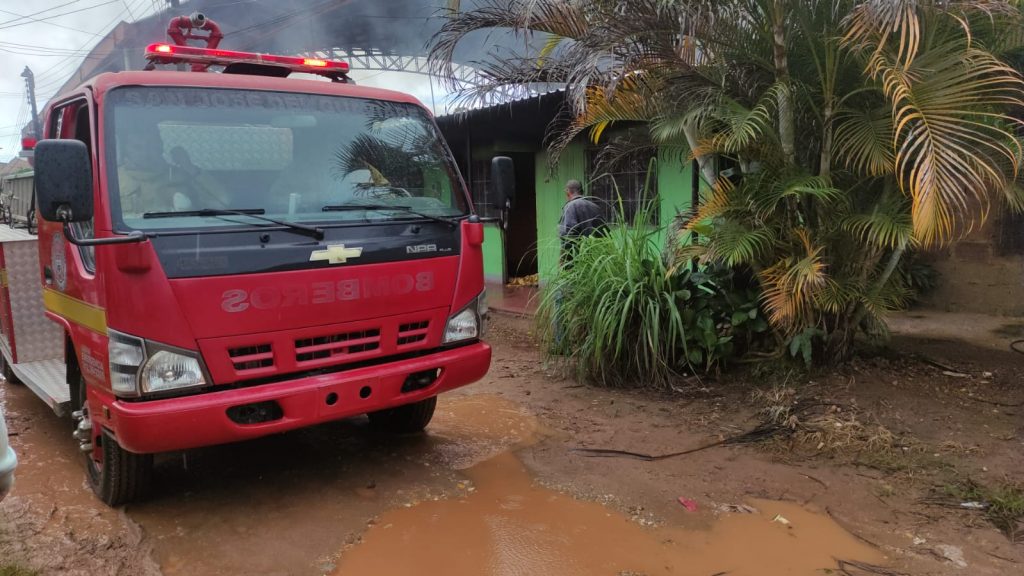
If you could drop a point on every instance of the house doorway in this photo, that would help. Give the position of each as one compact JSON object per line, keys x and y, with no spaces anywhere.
{"x":521,"y":235}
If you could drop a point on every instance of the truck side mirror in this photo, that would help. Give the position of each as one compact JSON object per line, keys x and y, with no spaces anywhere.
{"x":63,"y":180}
{"x":503,"y":182}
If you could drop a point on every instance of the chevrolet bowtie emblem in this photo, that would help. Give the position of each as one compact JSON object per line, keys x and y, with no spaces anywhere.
{"x":335,"y":254}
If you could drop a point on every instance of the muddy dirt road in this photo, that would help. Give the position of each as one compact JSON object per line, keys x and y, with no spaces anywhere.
{"x":493,"y":488}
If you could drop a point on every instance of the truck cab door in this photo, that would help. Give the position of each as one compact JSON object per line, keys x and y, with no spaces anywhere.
{"x":72,"y":291}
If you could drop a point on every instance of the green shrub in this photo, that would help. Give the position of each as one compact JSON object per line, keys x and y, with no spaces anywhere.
{"x":621,"y":316}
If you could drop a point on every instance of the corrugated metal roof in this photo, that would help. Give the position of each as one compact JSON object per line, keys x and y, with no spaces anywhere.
{"x":461,"y":114}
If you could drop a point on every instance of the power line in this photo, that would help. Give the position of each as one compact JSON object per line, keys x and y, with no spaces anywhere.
{"x":38,"y":13}
{"x":47,"y":19}
{"x":50,"y":23}
{"x":70,"y":59}
{"x":126,"y":7}
{"x":42,"y":54}
{"x":37,"y":47}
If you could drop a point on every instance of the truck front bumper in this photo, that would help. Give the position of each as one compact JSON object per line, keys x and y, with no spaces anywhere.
{"x":203,"y":419}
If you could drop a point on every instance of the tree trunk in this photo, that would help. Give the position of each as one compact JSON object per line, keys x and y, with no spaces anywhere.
{"x":825,"y":169}
{"x":787,"y":122}
{"x":706,"y":162}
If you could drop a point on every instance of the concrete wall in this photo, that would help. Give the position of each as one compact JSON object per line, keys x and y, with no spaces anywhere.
{"x":983,"y":273}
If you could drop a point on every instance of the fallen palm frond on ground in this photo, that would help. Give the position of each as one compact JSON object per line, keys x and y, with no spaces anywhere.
{"x":824,"y":426}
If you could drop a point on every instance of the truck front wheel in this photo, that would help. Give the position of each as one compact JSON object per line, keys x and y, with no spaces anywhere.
{"x":115,"y":475}
{"x":404,"y":419}
{"x":7,"y":371}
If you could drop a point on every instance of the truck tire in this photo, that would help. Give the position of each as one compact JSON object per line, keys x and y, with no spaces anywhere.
{"x":406,"y":419}
{"x":115,"y":475}
{"x":7,"y":372}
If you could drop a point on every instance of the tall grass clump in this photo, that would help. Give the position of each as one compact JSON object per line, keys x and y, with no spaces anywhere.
{"x":614,"y":312}
{"x":621,"y":315}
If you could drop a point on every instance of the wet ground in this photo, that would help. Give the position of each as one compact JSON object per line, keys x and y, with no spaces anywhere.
{"x":510,"y":526}
{"x":456,"y":498}
{"x":492,"y":488}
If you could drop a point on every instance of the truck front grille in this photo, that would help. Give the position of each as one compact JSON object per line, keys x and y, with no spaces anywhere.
{"x":344,"y":344}
{"x":251,"y":357}
{"x":413,"y":332}
{"x":246,"y":358}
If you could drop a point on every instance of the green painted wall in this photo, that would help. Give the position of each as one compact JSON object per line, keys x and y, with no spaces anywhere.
{"x":550,"y":199}
{"x":674,"y":191}
{"x":674,"y":188}
{"x":494,"y":255}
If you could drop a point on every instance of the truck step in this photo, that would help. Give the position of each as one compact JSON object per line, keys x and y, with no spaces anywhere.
{"x":48,"y":379}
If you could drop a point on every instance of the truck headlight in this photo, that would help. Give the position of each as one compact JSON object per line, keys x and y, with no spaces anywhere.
{"x":126,"y":355}
{"x":468,"y":323}
{"x":166,"y":370}
{"x":139,"y":366}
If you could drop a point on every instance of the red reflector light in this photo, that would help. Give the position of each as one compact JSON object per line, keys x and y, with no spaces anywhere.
{"x":28,"y":143}
{"x":167,"y":54}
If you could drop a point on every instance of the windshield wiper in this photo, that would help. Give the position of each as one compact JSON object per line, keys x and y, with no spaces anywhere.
{"x":385,"y":207}
{"x":256,"y":213}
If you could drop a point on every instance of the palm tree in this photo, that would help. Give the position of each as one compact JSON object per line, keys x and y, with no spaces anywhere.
{"x":860,"y":129}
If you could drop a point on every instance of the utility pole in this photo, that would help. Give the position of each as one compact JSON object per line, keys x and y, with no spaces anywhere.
{"x":30,"y":88}
{"x":173,"y":3}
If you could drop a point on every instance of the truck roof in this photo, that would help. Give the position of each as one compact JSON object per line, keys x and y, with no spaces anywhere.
{"x":110,"y":80}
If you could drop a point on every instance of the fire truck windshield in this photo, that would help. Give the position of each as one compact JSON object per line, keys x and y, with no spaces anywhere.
{"x":193,"y":153}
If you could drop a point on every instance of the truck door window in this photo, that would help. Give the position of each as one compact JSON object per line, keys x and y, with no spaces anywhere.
{"x":73,"y":122}
{"x":290,"y":155}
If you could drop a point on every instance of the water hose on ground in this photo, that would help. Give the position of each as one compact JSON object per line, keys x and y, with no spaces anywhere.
{"x":1015,"y":346}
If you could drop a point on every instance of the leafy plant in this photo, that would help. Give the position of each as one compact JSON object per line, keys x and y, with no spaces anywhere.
{"x":802,"y":345}
{"x":919,"y":277}
{"x":857,"y":130}
{"x":621,"y":315}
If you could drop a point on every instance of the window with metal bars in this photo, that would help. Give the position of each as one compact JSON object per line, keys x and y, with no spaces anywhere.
{"x":478,"y":183}
{"x":633,"y":178}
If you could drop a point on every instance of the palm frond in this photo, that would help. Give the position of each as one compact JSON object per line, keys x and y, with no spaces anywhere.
{"x":887,"y":225}
{"x":550,"y":45}
{"x":873,"y":24}
{"x":734,"y":243}
{"x":1014,"y":196}
{"x":791,"y":286}
{"x":742,"y":127}
{"x":864,"y":139}
{"x":951,"y":140}
{"x":523,"y":17}
{"x":773,"y":193}
{"x":719,"y":201}
{"x":834,"y":296}
{"x":632,"y":102}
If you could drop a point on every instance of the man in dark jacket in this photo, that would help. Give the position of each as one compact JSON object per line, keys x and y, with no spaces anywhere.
{"x":581,"y":217}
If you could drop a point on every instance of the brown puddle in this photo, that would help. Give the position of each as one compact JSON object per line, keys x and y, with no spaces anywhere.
{"x":285,"y":504}
{"x":509,"y":526}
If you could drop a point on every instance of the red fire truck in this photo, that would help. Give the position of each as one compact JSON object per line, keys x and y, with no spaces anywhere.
{"x":229,"y":252}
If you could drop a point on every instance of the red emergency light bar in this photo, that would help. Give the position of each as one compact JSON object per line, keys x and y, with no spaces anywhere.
{"x":174,"y":54}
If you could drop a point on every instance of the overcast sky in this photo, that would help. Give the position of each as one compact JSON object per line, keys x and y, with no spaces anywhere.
{"x":52,"y":36}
